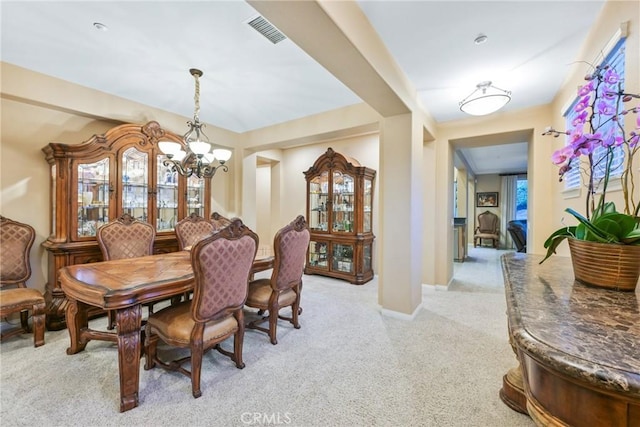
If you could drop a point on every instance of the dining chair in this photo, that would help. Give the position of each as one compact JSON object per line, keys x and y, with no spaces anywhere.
{"x":488,"y":228}
{"x":221,"y":267}
{"x":192,"y":229}
{"x":125,"y":237}
{"x":16,"y":240}
{"x":284,"y":287}
{"x":218,"y":221}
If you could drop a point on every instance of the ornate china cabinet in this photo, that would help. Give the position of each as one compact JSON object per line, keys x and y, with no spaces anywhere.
{"x":98,"y":180}
{"x":339,"y":213}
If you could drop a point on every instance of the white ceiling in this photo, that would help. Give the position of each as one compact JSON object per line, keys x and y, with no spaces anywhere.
{"x":250,"y":83}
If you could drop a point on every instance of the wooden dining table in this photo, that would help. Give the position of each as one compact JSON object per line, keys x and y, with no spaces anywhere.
{"x":124,"y":285}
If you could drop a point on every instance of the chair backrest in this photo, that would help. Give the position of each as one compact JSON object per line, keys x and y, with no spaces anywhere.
{"x":518,"y":234}
{"x":218,"y":221}
{"x":290,"y":250}
{"x":192,"y":229}
{"x":488,"y":222}
{"x":16,"y":240}
{"x":221,"y":267}
{"x":126,"y":237}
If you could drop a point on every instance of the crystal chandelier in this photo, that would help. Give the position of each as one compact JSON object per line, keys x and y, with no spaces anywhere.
{"x":198,"y":159}
{"x":486,"y":99}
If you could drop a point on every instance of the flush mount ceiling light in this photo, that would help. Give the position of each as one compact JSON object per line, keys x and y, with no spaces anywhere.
{"x":197,"y":158}
{"x":485,"y":99}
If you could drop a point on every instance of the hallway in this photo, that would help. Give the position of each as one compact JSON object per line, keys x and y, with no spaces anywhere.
{"x":480,"y":272}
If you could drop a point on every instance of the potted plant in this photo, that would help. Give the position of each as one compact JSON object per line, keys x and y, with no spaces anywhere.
{"x":604,"y":238}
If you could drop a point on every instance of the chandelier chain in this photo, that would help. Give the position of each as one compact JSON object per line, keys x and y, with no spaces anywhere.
{"x":196,"y":112}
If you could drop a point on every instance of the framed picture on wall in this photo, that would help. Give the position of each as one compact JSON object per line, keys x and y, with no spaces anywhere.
{"x":487,"y":200}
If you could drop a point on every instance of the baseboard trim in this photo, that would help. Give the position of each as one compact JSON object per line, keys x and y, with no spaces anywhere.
{"x":401,"y":316}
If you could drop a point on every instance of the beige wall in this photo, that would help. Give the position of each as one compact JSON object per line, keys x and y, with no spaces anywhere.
{"x":38,"y":109}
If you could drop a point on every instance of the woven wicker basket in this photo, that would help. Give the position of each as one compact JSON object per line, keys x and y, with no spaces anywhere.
{"x":605,"y":265}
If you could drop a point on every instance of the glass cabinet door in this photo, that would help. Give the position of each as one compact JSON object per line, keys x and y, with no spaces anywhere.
{"x":93,"y":196}
{"x":367,"y":208}
{"x":167,"y":196}
{"x":318,"y":254}
{"x":343,"y":202}
{"x":318,"y":201}
{"x":366,"y":265}
{"x":342,"y":258}
{"x":195,"y":196}
{"x":135,"y":184}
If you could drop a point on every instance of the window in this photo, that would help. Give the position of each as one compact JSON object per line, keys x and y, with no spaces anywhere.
{"x":522,"y":189}
{"x":615,"y":59}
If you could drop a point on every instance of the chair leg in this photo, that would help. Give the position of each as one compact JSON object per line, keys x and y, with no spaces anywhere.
{"x":295,"y":310}
{"x":24,"y":320}
{"x":238,"y":340}
{"x":38,"y":324}
{"x":196,"y":368}
{"x":273,"y":323}
{"x":150,"y":345}
{"x":111,"y":319}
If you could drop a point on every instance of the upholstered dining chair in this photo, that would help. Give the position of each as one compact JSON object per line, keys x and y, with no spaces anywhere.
{"x":488,"y":228}
{"x":284,"y":287}
{"x":218,"y":221}
{"x":125,"y":237}
{"x":16,"y":240}
{"x":192,"y":229}
{"x":221,"y":267}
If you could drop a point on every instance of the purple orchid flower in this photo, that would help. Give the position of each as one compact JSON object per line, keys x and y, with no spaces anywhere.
{"x":610,"y":76}
{"x":604,"y":108}
{"x":562,"y":155}
{"x":582,"y":104}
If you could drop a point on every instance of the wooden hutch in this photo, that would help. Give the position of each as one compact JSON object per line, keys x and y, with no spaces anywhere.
{"x":98,"y":180}
{"x":339,"y":213}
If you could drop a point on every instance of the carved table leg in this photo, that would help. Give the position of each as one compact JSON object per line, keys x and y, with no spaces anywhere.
{"x":512,"y":392}
{"x":128,"y":321}
{"x":76,"y":317}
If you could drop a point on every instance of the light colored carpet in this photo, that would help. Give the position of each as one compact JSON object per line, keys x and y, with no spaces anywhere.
{"x":347,"y":366}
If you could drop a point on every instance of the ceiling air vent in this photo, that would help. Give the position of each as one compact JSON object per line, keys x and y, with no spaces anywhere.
{"x":265,"y":28}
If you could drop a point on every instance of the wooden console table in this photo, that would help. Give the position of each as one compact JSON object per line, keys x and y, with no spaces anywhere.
{"x":578,"y":347}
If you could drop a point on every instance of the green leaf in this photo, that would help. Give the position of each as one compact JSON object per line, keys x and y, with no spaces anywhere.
{"x":556,"y":238}
{"x":597,"y":234}
{"x":632,"y":238}
{"x":610,"y":227}
{"x":608,"y":207}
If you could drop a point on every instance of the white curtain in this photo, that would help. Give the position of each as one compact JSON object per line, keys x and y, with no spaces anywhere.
{"x":509,"y":188}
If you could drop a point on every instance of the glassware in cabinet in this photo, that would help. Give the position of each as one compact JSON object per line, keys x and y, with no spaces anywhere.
{"x":318,"y":253}
{"x":93,"y":196}
{"x":319,"y":202}
{"x":342,"y":258}
{"x":367,"y":206}
{"x":342,"y":202}
{"x":166,"y":196}
{"x":195,"y":195}
{"x":135,"y":183}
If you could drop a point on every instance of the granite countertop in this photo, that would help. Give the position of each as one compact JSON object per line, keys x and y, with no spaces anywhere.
{"x":587,"y":333}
